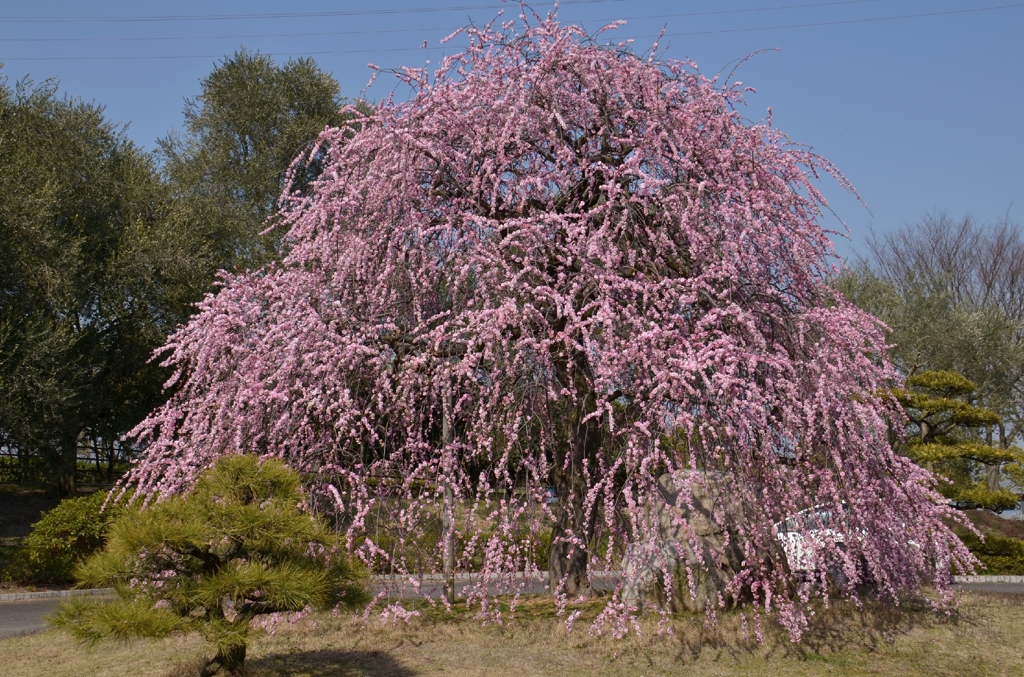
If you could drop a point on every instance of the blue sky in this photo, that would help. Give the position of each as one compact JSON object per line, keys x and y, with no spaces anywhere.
{"x":918,"y":102}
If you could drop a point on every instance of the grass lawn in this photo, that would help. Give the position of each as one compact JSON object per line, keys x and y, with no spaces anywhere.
{"x":983,"y":638}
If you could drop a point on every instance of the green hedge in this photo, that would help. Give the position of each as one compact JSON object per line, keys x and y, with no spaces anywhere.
{"x":35,"y":470}
{"x":999,"y":555}
{"x":65,"y":535}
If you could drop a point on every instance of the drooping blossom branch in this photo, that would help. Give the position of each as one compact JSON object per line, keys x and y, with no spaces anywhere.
{"x":609,"y":275}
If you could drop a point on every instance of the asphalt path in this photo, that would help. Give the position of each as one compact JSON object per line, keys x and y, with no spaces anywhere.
{"x":23,"y":617}
{"x":1000,"y":588}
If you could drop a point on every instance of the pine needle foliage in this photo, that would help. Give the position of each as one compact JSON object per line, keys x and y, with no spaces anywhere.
{"x":237,"y":547}
{"x":948,"y":437}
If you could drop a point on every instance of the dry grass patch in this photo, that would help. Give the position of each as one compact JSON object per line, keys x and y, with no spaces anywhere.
{"x":982,"y":639}
{"x":57,"y":655}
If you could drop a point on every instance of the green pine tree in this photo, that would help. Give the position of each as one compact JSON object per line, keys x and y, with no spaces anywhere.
{"x":237,"y":547}
{"x":950,"y":439}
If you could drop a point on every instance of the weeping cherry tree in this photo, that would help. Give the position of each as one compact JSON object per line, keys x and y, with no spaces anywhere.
{"x":554,"y":258}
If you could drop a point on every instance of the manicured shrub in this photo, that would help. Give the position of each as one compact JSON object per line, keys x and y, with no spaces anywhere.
{"x":64,"y":536}
{"x":999,"y":555}
{"x":1002,"y":551}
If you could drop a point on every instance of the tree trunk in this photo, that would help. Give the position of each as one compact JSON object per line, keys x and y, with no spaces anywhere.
{"x":448,"y":512}
{"x":926,"y":437}
{"x":992,"y":481}
{"x":67,"y":467}
{"x":448,"y":533}
{"x":573,"y":531}
{"x":992,"y":478}
{"x":230,"y":659}
{"x":567,"y":561}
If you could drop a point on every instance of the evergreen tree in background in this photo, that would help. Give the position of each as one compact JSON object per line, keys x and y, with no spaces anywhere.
{"x":83,"y":301}
{"x":950,"y":438}
{"x":251,"y":120}
{"x":104,"y":257}
{"x":951,"y":293}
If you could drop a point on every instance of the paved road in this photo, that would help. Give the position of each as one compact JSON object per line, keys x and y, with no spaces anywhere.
{"x":1001,"y":588}
{"x":25,"y":616}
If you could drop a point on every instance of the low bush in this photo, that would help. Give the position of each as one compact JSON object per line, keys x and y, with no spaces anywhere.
{"x":237,"y":547}
{"x":999,"y":555}
{"x":1002,"y":550}
{"x":64,"y":536}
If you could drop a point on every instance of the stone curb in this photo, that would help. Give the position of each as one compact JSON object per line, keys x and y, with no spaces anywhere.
{"x":44,"y":594}
{"x":429,"y":578}
{"x":988,"y":579}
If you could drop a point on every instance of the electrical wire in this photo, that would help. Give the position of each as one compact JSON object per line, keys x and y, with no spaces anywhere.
{"x":677,"y":34}
{"x":851,"y":21}
{"x":436,"y":28}
{"x":274,"y":15}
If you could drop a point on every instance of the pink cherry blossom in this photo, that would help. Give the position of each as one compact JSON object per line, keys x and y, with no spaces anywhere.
{"x":591,"y":266}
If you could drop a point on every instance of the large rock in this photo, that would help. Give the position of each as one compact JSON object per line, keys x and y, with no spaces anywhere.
{"x":694,"y":519}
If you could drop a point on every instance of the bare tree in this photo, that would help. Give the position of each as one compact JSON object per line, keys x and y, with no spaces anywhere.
{"x":978,"y":264}
{"x":953,"y":293}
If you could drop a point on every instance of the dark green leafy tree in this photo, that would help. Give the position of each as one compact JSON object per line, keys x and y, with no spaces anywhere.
{"x":103,"y":258}
{"x":84,"y":298}
{"x":237,"y":547}
{"x":948,"y":438}
{"x":251,"y":120}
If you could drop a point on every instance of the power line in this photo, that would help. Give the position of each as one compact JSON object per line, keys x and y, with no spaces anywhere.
{"x":850,"y":21}
{"x":414,"y":49}
{"x":274,"y":15}
{"x":172,"y":57}
{"x":436,"y":28}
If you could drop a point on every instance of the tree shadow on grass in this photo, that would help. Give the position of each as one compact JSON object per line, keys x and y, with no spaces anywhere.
{"x":843,"y":627}
{"x":329,"y":662}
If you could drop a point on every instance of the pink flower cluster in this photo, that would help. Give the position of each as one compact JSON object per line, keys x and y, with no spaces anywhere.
{"x":587,"y":268}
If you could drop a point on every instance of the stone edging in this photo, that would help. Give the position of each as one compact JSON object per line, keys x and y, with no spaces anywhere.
{"x":44,"y":594}
{"x":429,"y":578}
{"x":988,"y":579}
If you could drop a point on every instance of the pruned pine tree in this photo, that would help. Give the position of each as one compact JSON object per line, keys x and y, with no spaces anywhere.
{"x":950,"y":438}
{"x":951,"y":292}
{"x":237,"y":547}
